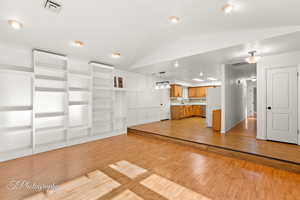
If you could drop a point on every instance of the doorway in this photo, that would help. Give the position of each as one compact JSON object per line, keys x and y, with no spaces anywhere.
{"x":282,"y":104}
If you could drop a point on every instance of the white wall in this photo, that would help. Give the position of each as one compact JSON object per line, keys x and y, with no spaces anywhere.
{"x":234,"y":97}
{"x":144,"y":101}
{"x":213,"y":99}
{"x":280,"y":60}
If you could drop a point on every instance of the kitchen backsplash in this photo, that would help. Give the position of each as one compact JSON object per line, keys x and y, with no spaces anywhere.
{"x":187,"y":101}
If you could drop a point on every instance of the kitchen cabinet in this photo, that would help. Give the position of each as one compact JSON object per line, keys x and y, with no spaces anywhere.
{"x":197,"y":92}
{"x":188,"y":111}
{"x":176,"y":91}
{"x":192,"y":92}
{"x":177,"y":112}
{"x":197,"y":110}
{"x":216,"y":124}
{"x":185,"y":111}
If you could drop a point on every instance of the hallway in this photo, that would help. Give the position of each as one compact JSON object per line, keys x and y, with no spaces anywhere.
{"x":245,"y":128}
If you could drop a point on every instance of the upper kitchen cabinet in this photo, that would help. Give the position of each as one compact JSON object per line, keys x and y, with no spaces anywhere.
{"x":192,"y":92}
{"x":176,"y":91}
{"x":197,"y":92}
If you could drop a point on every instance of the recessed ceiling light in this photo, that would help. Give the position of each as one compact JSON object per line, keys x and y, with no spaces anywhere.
{"x":198,"y":79}
{"x":15,"y":24}
{"x":211,"y":79}
{"x":174,"y":19}
{"x":201,"y":73}
{"x":78,"y":43}
{"x":176,"y":64}
{"x":227,"y":8}
{"x":115,"y":55}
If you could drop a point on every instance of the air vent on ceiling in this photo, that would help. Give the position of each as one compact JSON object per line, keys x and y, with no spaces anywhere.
{"x":52,"y":6}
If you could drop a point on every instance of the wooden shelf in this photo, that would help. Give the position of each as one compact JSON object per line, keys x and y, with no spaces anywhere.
{"x":120,"y":118}
{"x":15,"y":108}
{"x":95,"y":98}
{"x":101,"y":120}
{"x":78,"y":103}
{"x":51,"y":78}
{"x":16,"y":129}
{"x":79,"y":75}
{"x":76,"y":89}
{"x":101,"y":108}
{"x":78,"y":128}
{"x":45,"y":115}
{"x":50,"y":129}
{"x":103,"y":88}
{"x":49,"y":67}
{"x":45,"y":89}
{"x":98,"y":77}
{"x":120,"y":89}
{"x":16,"y":69}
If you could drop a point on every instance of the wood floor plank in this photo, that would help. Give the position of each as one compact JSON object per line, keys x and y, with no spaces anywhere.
{"x":39,"y":196}
{"x":241,"y":138}
{"x":128,"y":169}
{"x":70,"y":185}
{"x":210,"y":174}
{"x":127,"y":195}
{"x":90,"y":187}
{"x":171,"y":190}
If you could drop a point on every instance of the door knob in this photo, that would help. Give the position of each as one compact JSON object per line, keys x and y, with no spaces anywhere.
{"x":269,"y":108}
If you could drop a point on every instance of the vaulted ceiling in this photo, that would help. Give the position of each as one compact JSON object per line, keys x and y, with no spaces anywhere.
{"x":209,"y":63}
{"x":140,"y":29}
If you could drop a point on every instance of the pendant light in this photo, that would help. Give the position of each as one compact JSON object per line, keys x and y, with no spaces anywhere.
{"x":252,"y":59}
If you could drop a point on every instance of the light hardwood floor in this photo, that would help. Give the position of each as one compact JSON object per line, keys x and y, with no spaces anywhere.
{"x":211,"y":175}
{"x":241,"y":138}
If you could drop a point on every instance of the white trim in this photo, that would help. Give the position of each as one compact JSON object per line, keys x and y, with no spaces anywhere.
{"x":298,"y":103}
{"x":54,"y":55}
{"x":101,"y":65}
{"x":223,"y":100}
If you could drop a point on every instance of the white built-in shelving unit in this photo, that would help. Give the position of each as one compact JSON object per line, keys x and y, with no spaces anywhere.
{"x":109,"y":103}
{"x":50,"y":100}
{"x":16,"y":106}
{"x":57,"y":103}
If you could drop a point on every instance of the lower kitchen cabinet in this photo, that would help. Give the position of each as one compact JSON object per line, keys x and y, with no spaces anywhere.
{"x":177,"y":112}
{"x":197,"y":110}
{"x":185,"y":111}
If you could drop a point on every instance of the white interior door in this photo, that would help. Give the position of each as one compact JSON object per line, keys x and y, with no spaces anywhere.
{"x":282,"y":106}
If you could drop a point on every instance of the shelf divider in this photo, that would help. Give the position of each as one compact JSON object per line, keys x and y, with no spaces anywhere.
{"x":16,"y":129}
{"x":15,"y":108}
{"x":51,"y":78}
{"x":50,"y":129}
{"x":45,"y":115}
{"x":46,"y":89}
{"x":78,"y":103}
{"x":16,"y":69}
